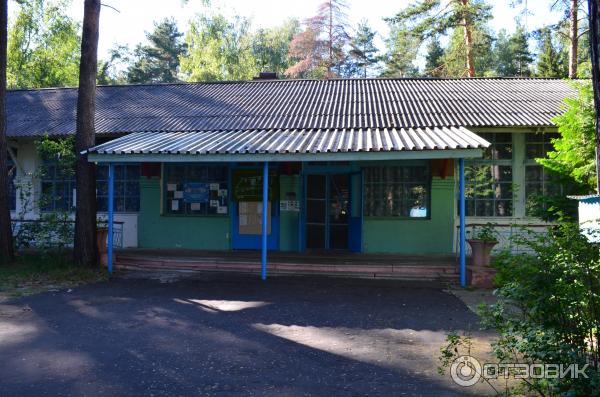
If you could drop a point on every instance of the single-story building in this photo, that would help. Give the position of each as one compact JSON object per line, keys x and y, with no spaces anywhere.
{"x":355,"y":165}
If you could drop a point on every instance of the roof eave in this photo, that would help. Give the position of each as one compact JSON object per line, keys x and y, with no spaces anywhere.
{"x":283,"y":157}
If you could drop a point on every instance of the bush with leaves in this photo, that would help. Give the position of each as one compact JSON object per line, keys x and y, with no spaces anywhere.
{"x":549,"y":309}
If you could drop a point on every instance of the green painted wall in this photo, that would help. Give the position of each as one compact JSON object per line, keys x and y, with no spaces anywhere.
{"x":383,"y":235}
{"x":193,"y":232}
{"x":289,"y":220}
{"x":418,"y":236}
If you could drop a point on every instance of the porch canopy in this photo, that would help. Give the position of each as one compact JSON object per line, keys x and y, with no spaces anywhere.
{"x":277,"y":145}
{"x":301,"y":145}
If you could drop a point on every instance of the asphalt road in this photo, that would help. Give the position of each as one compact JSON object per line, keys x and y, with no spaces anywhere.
{"x":222,"y":335}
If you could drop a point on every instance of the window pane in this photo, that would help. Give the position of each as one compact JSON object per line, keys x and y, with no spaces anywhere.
{"x":540,"y":184}
{"x":488,"y":182}
{"x":397,"y":191}
{"x":102,"y":172}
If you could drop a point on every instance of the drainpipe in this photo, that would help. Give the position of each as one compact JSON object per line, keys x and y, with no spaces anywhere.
{"x":463,"y":259}
{"x":265,"y":207}
{"x":111,"y":194}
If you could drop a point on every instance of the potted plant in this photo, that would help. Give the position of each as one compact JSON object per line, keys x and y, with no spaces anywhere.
{"x":482,"y":241}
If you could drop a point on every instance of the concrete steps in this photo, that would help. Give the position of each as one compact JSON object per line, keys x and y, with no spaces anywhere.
{"x":395,"y":270}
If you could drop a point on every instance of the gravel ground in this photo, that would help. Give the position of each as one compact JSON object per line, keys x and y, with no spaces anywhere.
{"x":222,"y":335}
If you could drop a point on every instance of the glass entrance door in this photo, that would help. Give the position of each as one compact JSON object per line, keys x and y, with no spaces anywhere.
{"x":327,"y":206}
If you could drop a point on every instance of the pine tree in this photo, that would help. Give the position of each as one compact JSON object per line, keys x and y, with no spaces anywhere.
{"x":429,"y":18}
{"x":549,"y":62}
{"x":85,"y":250}
{"x":512,"y":55}
{"x":434,"y":58}
{"x":519,"y":44}
{"x":363,"y":55}
{"x":454,"y":62}
{"x":319,"y":49}
{"x":6,"y":241}
{"x":158,"y":62}
{"x":402,"y":48}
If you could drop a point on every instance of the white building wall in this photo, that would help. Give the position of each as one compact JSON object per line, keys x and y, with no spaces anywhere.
{"x":28,"y":186}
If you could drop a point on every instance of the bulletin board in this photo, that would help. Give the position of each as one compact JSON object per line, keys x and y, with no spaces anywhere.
{"x":250,"y":217}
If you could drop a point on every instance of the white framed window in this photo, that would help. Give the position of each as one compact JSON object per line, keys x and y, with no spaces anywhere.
{"x":539,"y":181}
{"x":489,"y":180}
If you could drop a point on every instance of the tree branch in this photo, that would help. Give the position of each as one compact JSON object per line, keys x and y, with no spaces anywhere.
{"x":111,"y":7}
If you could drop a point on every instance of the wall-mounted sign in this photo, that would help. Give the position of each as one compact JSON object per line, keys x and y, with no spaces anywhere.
{"x":289,"y":205}
{"x":196,"y":192}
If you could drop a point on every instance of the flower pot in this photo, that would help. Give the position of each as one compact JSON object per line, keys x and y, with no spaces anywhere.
{"x":481,"y":273}
{"x":101,"y":238}
{"x":481,"y":252}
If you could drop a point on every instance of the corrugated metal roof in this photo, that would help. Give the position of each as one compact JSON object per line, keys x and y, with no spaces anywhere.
{"x":585,"y":197}
{"x":293,"y":141}
{"x":295,"y":104}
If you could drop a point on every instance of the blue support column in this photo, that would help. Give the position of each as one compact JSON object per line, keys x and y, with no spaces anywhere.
{"x":111,"y":195}
{"x":265,"y":208}
{"x":463,"y":259}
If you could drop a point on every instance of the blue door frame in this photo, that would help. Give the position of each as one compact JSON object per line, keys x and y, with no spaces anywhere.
{"x":354,"y":222}
{"x":253,"y":241}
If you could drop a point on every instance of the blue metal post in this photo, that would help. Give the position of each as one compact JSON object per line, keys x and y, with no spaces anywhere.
{"x":463,"y":259}
{"x":265,"y":208}
{"x":111,"y":194}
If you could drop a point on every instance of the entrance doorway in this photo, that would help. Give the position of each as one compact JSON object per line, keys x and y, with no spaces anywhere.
{"x":327,"y":211}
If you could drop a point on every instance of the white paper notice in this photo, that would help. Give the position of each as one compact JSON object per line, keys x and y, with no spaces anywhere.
{"x":195,"y":206}
{"x":243,"y":220}
{"x":214,"y":203}
{"x":178,"y":194}
{"x":221,"y":210}
{"x":243,"y":207}
{"x":175,"y":205}
{"x":171,"y":187}
{"x":214,"y":186}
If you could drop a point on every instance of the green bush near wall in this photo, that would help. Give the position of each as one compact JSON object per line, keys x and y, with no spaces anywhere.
{"x":416,"y":236}
{"x":191,"y":232}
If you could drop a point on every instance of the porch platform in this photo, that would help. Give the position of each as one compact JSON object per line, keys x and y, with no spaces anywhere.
{"x":413,"y":267}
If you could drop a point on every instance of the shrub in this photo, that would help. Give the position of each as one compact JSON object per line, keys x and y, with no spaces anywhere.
{"x":549,"y":308}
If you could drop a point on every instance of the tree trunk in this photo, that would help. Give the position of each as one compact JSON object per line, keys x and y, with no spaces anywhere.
{"x":468,"y":39}
{"x":86,"y":249}
{"x":330,"y":65}
{"x":6,"y":241}
{"x":573,"y":38}
{"x":594,"y":18}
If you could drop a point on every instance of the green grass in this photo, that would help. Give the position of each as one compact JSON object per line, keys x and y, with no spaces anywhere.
{"x":33,"y":273}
